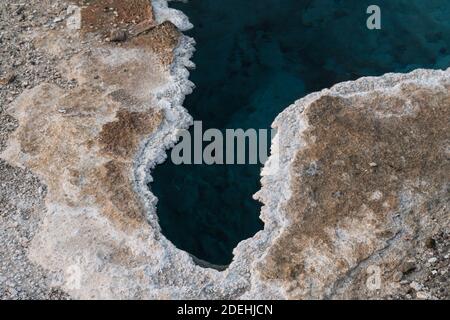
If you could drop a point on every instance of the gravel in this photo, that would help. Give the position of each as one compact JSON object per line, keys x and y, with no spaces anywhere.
{"x":21,"y":193}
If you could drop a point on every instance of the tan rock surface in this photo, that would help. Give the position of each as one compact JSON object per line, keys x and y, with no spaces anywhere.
{"x":373,"y":176}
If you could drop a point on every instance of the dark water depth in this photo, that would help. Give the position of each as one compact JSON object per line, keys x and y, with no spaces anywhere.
{"x":254,"y":58}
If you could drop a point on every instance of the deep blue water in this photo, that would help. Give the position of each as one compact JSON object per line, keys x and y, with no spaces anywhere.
{"x":254,"y":58}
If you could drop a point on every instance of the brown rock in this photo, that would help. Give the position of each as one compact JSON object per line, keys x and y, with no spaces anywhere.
{"x":7,"y":79}
{"x":118,"y":36}
{"x":408,"y":266}
{"x":161,"y":39}
{"x":397,"y":277}
{"x":142,"y":27}
{"x":430,"y":243}
{"x":94,"y":17}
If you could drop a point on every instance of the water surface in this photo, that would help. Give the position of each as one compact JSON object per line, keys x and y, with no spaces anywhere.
{"x":254,"y":58}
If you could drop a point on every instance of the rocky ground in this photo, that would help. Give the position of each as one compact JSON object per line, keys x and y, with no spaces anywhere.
{"x":426,"y":274}
{"x":29,"y":60}
{"x":71,"y":59}
{"x":22,"y":66}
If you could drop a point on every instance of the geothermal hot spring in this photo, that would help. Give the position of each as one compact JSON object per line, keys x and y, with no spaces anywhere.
{"x":256,"y":57}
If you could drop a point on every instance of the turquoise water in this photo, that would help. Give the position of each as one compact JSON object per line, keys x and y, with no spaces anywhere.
{"x":253,"y":59}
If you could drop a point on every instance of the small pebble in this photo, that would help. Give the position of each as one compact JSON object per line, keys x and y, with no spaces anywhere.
{"x":408,"y":266}
{"x":397,"y":276}
{"x":430,"y":243}
{"x":422,"y":295}
{"x":432,"y":260}
{"x":118,"y":36}
{"x":416,"y":286}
